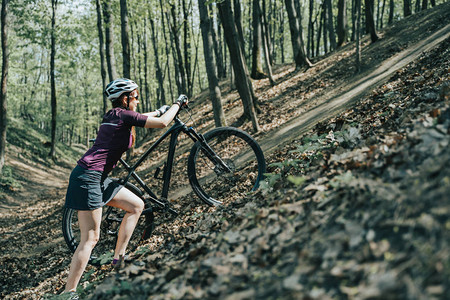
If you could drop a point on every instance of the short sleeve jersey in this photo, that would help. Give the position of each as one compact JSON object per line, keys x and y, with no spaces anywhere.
{"x":113,"y":139}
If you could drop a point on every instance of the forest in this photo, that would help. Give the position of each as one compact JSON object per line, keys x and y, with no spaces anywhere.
{"x":349,"y":101}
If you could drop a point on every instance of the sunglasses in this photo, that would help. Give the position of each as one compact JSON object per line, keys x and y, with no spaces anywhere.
{"x":135,"y":97}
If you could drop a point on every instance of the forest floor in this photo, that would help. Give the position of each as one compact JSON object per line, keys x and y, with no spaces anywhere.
{"x":356,"y":205}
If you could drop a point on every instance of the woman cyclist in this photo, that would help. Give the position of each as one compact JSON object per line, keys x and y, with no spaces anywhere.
{"x":89,"y":187}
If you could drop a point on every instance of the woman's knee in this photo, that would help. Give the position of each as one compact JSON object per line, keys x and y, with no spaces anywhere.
{"x":91,"y":240}
{"x":138,"y":207}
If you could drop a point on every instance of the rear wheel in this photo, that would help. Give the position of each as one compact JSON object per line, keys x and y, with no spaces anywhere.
{"x":230,"y":163}
{"x":109,"y":228}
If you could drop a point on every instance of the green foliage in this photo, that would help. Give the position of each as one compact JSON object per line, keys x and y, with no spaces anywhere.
{"x":8,"y":181}
{"x":144,"y":250}
{"x":284,"y":168}
{"x":296,"y":180}
{"x":341,"y":180}
{"x":105,"y":258}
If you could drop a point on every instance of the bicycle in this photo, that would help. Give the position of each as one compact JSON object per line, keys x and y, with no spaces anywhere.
{"x":221,"y":161}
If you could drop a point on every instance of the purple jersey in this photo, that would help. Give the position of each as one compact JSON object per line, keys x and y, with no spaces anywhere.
{"x":113,"y":139}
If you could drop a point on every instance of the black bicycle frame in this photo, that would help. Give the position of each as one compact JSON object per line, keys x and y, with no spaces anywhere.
{"x":174,"y":132}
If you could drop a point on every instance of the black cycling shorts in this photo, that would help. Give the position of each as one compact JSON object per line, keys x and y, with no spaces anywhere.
{"x":89,"y":190}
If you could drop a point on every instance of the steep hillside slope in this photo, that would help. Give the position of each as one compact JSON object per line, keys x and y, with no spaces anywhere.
{"x":357,"y":209}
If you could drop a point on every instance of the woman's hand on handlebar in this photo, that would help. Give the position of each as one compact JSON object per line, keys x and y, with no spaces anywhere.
{"x":182,"y":101}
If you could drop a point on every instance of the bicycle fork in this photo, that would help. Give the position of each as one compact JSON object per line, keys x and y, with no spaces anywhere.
{"x":220,"y":166}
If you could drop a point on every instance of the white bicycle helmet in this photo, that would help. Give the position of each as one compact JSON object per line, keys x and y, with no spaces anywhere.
{"x":119,"y":86}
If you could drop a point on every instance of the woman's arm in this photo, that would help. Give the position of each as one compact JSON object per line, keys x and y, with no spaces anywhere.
{"x":151,"y":114}
{"x":164,"y":120}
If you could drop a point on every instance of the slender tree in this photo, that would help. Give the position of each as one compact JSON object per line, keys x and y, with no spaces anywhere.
{"x":187,"y":49}
{"x":161,"y":94}
{"x":180,"y":71}
{"x":214,"y":90}
{"x":310,"y":43}
{"x":147,"y":103}
{"x":257,"y":72}
{"x":125,"y":38}
{"x":102,"y":53}
{"x":3,"y":92}
{"x":238,"y":21}
{"x":281,"y":34}
{"x":369,"y":4}
{"x":52,"y":79}
{"x":342,"y":23}
{"x":296,"y":36}
{"x":358,"y":34}
{"x":266,"y":30}
{"x":218,"y":52}
{"x":265,"y":41}
{"x":382,"y":15}
{"x":406,"y":8}
{"x":109,"y":40}
{"x":330,"y":25}
{"x":319,"y":31}
{"x":166,"y":43}
{"x":237,"y":59}
{"x":391,"y":11}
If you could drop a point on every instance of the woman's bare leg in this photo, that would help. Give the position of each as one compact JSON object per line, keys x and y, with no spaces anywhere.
{"x":89,"y":222}
{"x":133,"y":205}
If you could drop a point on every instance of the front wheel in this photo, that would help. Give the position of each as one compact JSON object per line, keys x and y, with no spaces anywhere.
{"x":229,"y":162}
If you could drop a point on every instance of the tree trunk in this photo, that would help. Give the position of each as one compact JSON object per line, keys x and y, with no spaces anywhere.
{"x":138,"y":79}
{"x":109,"y":41}
{"x":406,"y":8}
{"x":166,"y":43}
{"x":265,"y":30}
{"x":52,"y":80}
{"x":332,"y":36}
{"x":217,"y":42}
{"x":382,"y":14}
{"x":238,"y":21}
{"x":161,"y":94}
{"x":125,"y":39}
{"x":433,"y":3}
{"x":102,"y":53}
{"x":424,"y":4}
{"x":310,"y":44}
{"x":147,"y":102}
{"x":319,"y":33}
{"x":296,"y":36}
{"x":358,"y":35}
{"x":178,"y":57}
{"x":133,"y":25}
{"x":257,"y":72}
{"x":187,"y":50}
{"x":370,"y":21}
{"x":4,"y":83}
{"x":325,"y":41}
{"x":391,"y":12}
{"x":238,"y":62}
{"x":266,"y":54}
{"x":352,"y":38}
{"x":417,"y":6}
{"x":281,"y":33}
{"x":214,"y":90}
{"x":342,"y":23}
